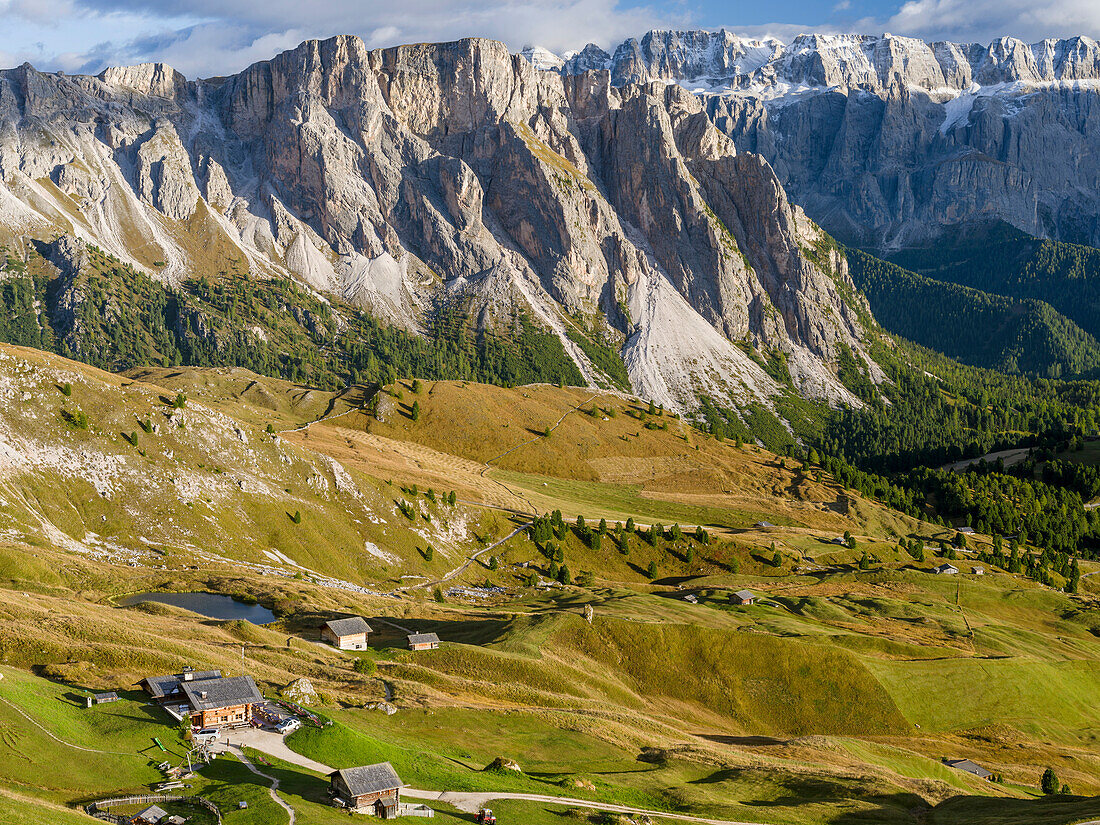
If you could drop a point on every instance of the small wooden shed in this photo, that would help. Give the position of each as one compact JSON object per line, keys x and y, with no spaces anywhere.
{"x":150,"y":816}
{"x":423,"y":641}
{"x":744,"y":597}
{"x":371,"y":788}
{"x":346,"y":634}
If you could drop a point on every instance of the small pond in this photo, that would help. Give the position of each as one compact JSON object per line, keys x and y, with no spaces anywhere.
{"x":212,"y":605}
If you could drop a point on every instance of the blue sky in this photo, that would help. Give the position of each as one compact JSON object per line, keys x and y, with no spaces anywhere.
{"x":208,"y":37}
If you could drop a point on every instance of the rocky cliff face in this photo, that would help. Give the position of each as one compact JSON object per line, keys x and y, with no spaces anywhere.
{"x":887,"y":140}
{"x":409,"y":178}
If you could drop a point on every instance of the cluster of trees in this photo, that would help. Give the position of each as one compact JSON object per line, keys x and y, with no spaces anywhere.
{"x":998,"y":503}
{"x":549,"y":530}
{"x":1038,"y":566}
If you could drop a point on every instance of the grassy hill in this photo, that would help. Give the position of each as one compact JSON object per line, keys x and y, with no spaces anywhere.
{"x":831,"y":700}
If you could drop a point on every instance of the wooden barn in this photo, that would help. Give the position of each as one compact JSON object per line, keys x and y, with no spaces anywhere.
{"x":369,"y":789}
{"x":423,"y":641}
{"x":346,"y":634}
{"x":743,"y":597}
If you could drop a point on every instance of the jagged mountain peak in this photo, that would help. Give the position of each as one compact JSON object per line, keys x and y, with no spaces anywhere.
{"x":889,"y":140}
{"x":454,"y":175}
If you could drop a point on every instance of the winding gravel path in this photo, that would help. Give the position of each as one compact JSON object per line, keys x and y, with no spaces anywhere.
{"x":467,"y":801}
{"x":62,"y":741}
{"x":273,"y":791}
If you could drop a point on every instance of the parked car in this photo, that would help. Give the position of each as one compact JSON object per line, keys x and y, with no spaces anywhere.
{"x":288,"y":725}
{"x":205,"y":735}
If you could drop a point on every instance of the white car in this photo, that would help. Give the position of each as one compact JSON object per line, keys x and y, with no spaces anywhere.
{"x":288,"y":725}
{"x":205,"y":735}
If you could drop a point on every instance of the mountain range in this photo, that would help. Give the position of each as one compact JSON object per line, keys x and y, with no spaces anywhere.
{"x":625,"y":214}
{"x":887,"y":140}
{"x":424,"y":178}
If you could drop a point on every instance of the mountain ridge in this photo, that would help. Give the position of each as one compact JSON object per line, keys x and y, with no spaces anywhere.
{"x":889,"y":142}
{"x":413,"y":179}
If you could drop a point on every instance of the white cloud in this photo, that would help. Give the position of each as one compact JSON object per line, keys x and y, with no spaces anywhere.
{"x":222,"y":36}
{"x":985,"y":20}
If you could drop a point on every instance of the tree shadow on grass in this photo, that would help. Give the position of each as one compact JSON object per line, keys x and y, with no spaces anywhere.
{"x":751,"y":741}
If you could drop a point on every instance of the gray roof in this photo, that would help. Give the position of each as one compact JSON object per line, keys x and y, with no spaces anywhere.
{"x":153,"y":814}
{"x":970,"y":767}
{"x":944,"y":568}
{"x":222,"y":693}
{"x":369,"y":779}
{"x":744,"y":594}
{"x":163,"y":685}
{"x":348,"y":627}
{"x":423,"y":638}
{"x":109,"y":695}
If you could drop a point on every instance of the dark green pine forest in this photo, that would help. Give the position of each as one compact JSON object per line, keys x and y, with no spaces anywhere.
{"x":114,"y":317}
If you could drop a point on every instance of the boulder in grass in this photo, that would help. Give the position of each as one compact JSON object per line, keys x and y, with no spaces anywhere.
{"x":501,"y":764}
{"x":301,"y":691}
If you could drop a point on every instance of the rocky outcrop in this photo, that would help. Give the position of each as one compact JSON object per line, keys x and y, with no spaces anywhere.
{"x":889,"y":140}
{"x":438,"y":174}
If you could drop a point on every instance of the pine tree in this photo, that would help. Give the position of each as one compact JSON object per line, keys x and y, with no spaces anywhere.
{"x":651,"y":571}
{"x":1049,"y":782}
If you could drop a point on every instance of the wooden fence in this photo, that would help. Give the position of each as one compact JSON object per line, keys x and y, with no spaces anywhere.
{"x":101,"y":809}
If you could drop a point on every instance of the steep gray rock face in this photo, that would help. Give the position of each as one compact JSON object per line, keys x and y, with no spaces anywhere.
{"x":406,"y":178}
{"x":888,"y":140}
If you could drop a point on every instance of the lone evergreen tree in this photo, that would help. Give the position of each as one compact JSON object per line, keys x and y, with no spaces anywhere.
{"x":416,"y":411}
{"x":651,"y":571}
{"x":1049,"y":782}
